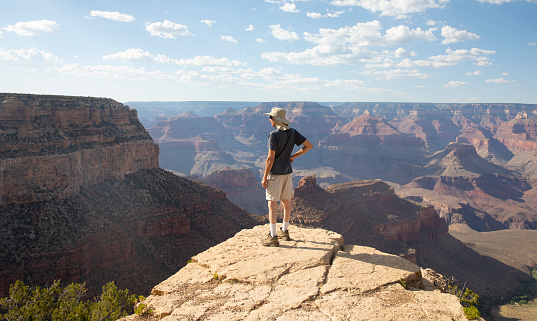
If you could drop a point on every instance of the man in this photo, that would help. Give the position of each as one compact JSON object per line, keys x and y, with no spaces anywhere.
{"x":277,"y":177}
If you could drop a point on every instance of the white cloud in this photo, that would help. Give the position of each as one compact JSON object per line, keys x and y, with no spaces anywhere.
{"x":532,"y":43}
{"x":402,"y":34}
{"x":208,"y":22}
{"x":431,"y":23}
{"x":505,"y":74}
{"x":455,"y":83}
{"x":132,"y":55}
{"x":250,"y":28}
{"x":329,"y":14}
{"x":116,"y":16}
{"x":289,"y":7}
{"x":475,"y":73}
{"x":230,"y":39}
{"x":282,"y":34}
{"x":452,"y":35}
{"x":33,"y":28}
{"x":167,"y":29}
{"x":27,"y":55}
{"x":314,"y":15}
{"x":260,"y":40}
{"x":208,"y":60}
{"x":114,"y":72}
{"x":397,"y":8}
{"x":348,"y":45}
{"x":396,"y":74}
{"x":334,"y":14}
{"x":401,"y":52}
{"x":452,"y":58}
{"x":498,"y":81}
{"x":140,"y":56}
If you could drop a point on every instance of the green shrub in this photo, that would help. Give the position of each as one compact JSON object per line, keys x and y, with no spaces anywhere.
{"x":57,"y":303}
{"x":471,"y":312}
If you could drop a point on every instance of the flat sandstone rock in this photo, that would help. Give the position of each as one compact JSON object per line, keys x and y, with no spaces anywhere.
{"x":312,"y":277}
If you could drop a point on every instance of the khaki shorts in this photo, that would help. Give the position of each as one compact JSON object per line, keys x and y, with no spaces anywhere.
{"x":280,"y":187}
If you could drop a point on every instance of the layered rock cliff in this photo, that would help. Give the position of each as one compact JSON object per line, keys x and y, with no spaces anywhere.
{"x":52,"y":145}
{"x":313,"y":277}
{"x":368,"y":147}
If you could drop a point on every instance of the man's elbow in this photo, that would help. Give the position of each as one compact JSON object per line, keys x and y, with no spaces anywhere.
{"x":308,"y":145}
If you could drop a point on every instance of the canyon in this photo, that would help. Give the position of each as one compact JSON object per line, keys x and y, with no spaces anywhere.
{"x":474,"y":163}
{"x":84,"y":198}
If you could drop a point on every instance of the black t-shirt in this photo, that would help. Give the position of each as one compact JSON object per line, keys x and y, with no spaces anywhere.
{"x":282,"y":142}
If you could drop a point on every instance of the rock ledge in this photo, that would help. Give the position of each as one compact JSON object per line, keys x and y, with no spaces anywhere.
{"x":313,"y":277}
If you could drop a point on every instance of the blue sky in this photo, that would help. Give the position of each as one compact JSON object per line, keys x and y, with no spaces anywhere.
{"x":270,"y":50}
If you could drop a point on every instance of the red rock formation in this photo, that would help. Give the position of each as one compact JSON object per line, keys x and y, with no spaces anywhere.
{"x":363,"y":211}
{"x":62,"y":143}
{"x":434,"y":127}
{"x":369,"y":147}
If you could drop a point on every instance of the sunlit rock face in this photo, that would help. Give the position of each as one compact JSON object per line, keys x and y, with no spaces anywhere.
{"x":54,"y":145}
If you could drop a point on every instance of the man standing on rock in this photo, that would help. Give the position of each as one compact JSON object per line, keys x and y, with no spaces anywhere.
{"x":277,"y":177}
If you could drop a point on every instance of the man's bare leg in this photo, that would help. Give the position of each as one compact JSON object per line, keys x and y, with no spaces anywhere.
{"x":286,"y":213}
{"x":273,"y":216}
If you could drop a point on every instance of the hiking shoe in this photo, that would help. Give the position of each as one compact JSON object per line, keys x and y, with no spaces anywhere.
{"x":283,"y":235}
{"x":271,"y":241}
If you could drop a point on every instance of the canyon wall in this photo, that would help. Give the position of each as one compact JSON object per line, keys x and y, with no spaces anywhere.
{"x":53,"y":144}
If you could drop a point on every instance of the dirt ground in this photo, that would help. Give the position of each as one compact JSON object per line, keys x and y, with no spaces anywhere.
{"x":515,"y":312}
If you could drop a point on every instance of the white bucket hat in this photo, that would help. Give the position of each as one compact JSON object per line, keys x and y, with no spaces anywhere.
{"x":279,"y":116}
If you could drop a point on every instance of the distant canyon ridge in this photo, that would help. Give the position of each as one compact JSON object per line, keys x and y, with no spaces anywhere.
{"x":475,"y":163}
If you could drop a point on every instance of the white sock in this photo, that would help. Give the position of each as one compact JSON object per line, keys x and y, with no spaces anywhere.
{"x":273,"y":231}
{"x":285,"y":226}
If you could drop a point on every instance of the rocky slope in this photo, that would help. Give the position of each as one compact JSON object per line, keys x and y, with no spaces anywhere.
{"x":369,"y":213}
{"x":241,"y":187}
{"x":83,"y":199}
{"x":313,"y":277}
{"x":491,"y":196}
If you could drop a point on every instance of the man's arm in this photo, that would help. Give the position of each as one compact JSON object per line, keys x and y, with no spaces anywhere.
{"x":306,"y":147}
{"x":268,"y":166}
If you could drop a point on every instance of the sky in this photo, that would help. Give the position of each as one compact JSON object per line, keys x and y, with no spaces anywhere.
{"x":430,"y":51}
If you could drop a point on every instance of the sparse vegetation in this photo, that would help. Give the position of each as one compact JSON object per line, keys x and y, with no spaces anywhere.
{"x":403,"y":283}
{"x":467,"y":297}
{"x":58,"y":303}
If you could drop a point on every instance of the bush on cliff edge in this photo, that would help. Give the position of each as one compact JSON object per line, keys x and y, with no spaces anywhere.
{"x":65,"y":303}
